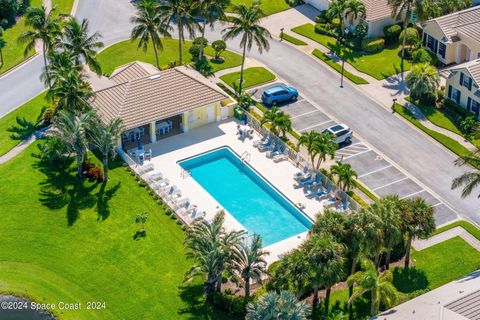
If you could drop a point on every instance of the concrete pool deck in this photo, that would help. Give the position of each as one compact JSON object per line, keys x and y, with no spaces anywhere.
{"x":168,"y":152}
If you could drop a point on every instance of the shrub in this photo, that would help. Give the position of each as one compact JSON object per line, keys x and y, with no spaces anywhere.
{"x":322,"y":17}
{"x":412,"y":37}
{"x":95,"y":173}
{"x":230,"y":303}
{"x":200,"y":41}
{"x":87,"y":165}
{"x":219,"y":46}
{"x":392,"y":32}
{"x":202,"y":66}
{"x":320,"y":28}
{"x":373,"y":44}
{"x":194,"y":50}
{"x":421,"y":56}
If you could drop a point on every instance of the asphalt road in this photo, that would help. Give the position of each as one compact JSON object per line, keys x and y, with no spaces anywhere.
{"x":421,"y":157}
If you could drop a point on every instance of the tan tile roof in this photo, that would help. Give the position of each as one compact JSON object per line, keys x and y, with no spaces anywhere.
{"x":132,"y":71}
{"x":141,"y":100}
{"x":466,"y":21}
{"x":377,"y":9}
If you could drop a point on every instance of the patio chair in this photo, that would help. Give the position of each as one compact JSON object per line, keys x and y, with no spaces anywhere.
{"x":260,"y":141}
{"x":148,"y":155}
{"x":179,"y":202}
{"x":162,"y":183}
{"x":325,"y":192}
{"x":275,"y":151}
{"x":282,"y":156}
{"x":268,"y":146}
{"x":145,"y":168}
{"x":175,"y":192}
{"x":318,"y":182}
{"x":305,"y":181}
{"x":187,"y":209}
{"x":302,"y":174}
{"x":312,"y":182}
{"x":155,"y":177}
{"x":343,"y":206}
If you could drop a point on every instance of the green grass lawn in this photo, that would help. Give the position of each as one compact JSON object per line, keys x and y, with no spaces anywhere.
{"x":293,"y":40}
{"x":473,"y":230}
{"x":251,"y":77}
{"x":13,"y":51}
{"x":354,"y":78}
{"x":446,"y":261}
{"x":268,"y":6}
{"x":448,"y":142}
{"x":379,"y":65}
{"x":20,"y":123}
{"x":64,"y":7}
{"x":126,"y":51}
{"x":69,"y":240}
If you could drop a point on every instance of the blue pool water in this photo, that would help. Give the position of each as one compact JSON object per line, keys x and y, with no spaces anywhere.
{"x":257,"y":205}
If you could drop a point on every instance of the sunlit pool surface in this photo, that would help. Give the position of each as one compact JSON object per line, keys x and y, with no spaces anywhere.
{"x":253,"y":201}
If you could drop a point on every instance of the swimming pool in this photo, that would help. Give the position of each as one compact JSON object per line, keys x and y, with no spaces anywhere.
{"x":254,"y":202}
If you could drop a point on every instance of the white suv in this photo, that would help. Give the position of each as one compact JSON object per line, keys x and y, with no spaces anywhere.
{"x":341,"y":132}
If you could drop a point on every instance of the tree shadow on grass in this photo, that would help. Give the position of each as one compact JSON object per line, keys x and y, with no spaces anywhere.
{"x":192,"y":294}
{"x":360,"y":307}
{"x":22,"y":130}
{"x":409,"y":280}
{"x":62,"y":189}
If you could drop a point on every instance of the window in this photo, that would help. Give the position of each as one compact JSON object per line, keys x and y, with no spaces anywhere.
{"x":432,"y":43}
{"x":455,"y":96}
{"x":465,"y":81}
{"x":442,"y":48}
{"x":475,"y":107}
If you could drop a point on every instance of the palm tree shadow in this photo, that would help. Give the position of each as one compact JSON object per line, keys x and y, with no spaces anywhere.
{"x":22,"y":130}
{"x":103,"y":198}
{"x":62,"y":189}
{"x":409,"y":280}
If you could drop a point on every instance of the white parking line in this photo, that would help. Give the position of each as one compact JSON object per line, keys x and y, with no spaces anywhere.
{"x":389,"y":184}
{"x":357,"y":154}
{"x":368,"y":173}
{"x":436,"y":205}
{"x":303,"y":114}
{"x":318,"y":124}
{"x":356,"y":148}
{"x":412,"y":194}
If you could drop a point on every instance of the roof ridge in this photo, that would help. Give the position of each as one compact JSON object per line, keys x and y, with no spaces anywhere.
{"x":214,"y":87}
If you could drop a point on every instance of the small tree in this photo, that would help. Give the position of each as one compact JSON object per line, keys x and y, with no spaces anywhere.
{"x":3,"y":43}
{"x":412,"y":37}
{"x":423,"y":82}
{"x":345,"y":175}
{"x":272,"y":305}
{"x":468,"y":124}
{"x":142,"y":219}
{"x":360,"y":32}
{"x":219,"y":46}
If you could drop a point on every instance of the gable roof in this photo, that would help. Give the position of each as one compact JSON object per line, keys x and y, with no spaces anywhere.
{"x":377,"y":9}
{"x":473,"y":67}
{"x":139,"y":97}
{"x":466,"y":21}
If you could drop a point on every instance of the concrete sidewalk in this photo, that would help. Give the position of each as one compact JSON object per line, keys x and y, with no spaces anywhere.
{"x":420,"y":244}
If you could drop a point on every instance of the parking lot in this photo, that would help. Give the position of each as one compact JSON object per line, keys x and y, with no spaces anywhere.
{"x":380,"y":175}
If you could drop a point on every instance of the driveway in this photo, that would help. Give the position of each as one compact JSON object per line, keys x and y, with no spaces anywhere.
{"x":393,"y":138}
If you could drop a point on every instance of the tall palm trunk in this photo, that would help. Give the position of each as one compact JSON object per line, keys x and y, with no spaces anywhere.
{"x":45,"y":62}
{"x":407,"y":253}
{"x":387,"y":259}
{"x":327,"y":300}
{"x":1,"y":58}
{"x":79,"y":164}
{"x":373,"y":305}
{"x":180,"y":39}
{"x":200,"y":54}
{"x":315,"y":297}
{"x":404,"y":40}
{"x":352,"y":271}
{"x":240,"y":87}
{"x":377,"y":260}
{"x":105,"y":168}
{"x":247,"y":287}
{"x":219,"y":282}
{"x":156,"y":54}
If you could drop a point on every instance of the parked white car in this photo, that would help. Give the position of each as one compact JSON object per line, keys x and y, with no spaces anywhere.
{"x":341,"y":132}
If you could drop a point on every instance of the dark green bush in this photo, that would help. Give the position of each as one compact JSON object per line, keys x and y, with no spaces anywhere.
{"x":421,"y":56}
{"x":199,"y":41}
{"x":230,"y":303}
{"x":373,"y":44}
{"x":321,"y":28}
{"x":323,"y":17}
{"x":392,"y":32}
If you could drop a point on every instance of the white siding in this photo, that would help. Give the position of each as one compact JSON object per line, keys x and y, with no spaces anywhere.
{"x":319,"y":4}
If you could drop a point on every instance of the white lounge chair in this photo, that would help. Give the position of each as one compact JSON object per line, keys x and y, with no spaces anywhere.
{"x":145,"y":168}
{"x":261,"y":141}
{"x":275,"y":151}
{"x":282,"y":156}
{"x":159,"y":184}
{"x":155,"y":177}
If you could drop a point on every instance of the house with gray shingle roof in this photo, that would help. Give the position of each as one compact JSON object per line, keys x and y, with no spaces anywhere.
{"x":463,"y":85}
{"x":156,"y":104}
{"x":454,"y":38}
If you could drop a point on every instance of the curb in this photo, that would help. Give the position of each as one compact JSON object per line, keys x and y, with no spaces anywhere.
{"x":18,"y":66}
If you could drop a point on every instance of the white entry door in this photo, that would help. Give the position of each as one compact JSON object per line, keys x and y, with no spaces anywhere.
{"x":224,"y":113}
{"x":211,"y":114}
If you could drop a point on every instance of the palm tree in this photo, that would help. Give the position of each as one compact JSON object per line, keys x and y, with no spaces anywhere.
{"x":149,"y":27}
{"x":417,"y":221}
{"x":296,"y":272}
{"x":470,"y":180}
{"x":326,"y":260}
{"x":71,"y":129}
{"x":326,"y":147}
{"x":43,"y":28}
{"x":3,"y":43}
{"x":354,"y":9}
{"x":60,"y":64}
{"x":212,"y":249}
{"x":345,"y":175}
{"x":278,"y":120}
{"x":403,"y":10}
{"x":105,"y":138}
{"x":277,"y":306}
{"x":450,"y":6}
{"x":423,"y":82}
{"x":70,"y":92}
{"x":337,"y":9}
{"x":310,"y":140}
{"x":369,"y":228}
{"x":247,"y":25}
{"x":379,"y":285}
{"x":181,"y":13}
{"x":210,"y":11}
{"x":249,"y":261}
{"x":76,"y":39}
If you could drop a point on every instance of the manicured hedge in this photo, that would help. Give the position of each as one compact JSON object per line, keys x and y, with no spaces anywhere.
{"x":373,"y":44}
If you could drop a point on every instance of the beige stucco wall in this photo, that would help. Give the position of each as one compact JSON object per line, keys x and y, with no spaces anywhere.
{"x":200,"y":116}
{"x":375,"y":28}
{"x":454,"y":81}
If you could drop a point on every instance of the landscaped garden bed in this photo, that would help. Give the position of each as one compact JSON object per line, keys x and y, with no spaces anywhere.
{"x":251,"y":77}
